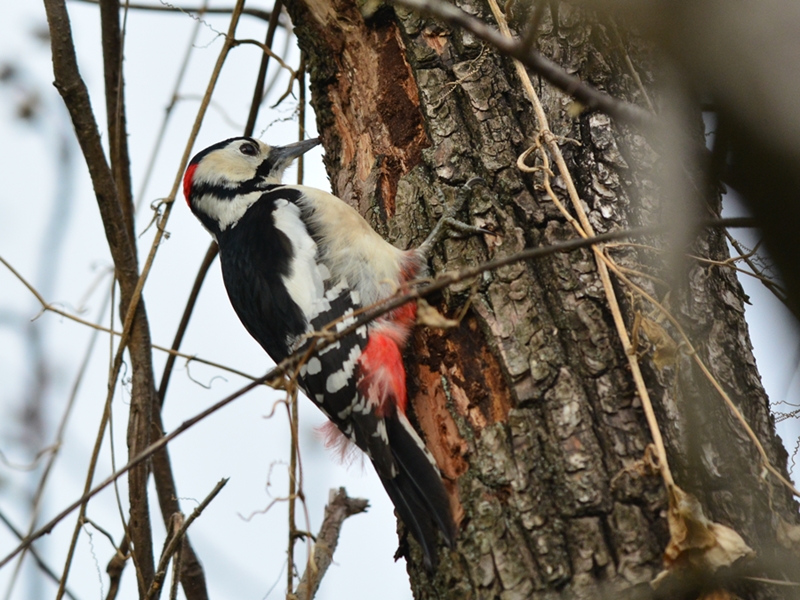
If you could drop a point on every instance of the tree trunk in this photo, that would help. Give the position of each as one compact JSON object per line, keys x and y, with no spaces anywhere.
{"x":529,"y":406}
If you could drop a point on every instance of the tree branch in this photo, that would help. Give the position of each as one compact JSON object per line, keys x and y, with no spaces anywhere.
{"x":76,"y":98}
{"x":374,"y":312}
{"x":264,"y":15}
{"x":179,"y":536}
{"x":36,"y":557}
{"x":258,"y":91}
{"x":140,"y":346}
{"x":590,"y":97}
{"x":340,"y":506}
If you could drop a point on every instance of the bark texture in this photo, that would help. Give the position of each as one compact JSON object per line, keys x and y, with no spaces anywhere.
{"x":528,"y":406}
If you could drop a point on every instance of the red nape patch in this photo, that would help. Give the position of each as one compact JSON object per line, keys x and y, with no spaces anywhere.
{"x":382,"y":375}
{"x":187,"y":182}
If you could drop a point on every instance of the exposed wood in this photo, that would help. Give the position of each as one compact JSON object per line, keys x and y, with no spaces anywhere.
{"x":529,"y":406}
{"x":371,"y":103}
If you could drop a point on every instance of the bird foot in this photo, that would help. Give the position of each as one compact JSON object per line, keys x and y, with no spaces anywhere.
{"x":448,"y":225}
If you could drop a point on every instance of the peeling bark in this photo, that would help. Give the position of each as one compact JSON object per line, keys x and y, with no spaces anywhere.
{"x":529,"y":406}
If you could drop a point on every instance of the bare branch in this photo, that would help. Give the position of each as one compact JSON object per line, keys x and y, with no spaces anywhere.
{"x":264,"y":15}
{"x":262,"y":70}
{"x":178,"y":538}
{"x":113,"y":51}
{"x":76,"y":98}
{"x":374,"y":312}
{"x":590,"y":97}
{"x":340,"y":506}
{"x":211,"y":254}
{"x":135,"y":334}
{"x":39,"y":561}
{"x":143,"y":392}
{"x":47,"y":306}
{"x":115,"y":567}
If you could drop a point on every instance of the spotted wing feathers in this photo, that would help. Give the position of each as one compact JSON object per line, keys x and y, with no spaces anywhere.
{"x":288,"y":276}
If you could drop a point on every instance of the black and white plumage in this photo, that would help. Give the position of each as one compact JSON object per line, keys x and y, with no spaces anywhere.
{"x":294,"y":259}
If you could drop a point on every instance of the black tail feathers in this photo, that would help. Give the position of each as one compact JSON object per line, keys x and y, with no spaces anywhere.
{"x":417,"y":492}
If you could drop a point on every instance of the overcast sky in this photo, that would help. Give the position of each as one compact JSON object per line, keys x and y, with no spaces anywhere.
{"x":51,"y":233}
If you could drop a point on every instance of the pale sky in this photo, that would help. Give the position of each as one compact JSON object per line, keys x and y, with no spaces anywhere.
{"x":242,"y":558}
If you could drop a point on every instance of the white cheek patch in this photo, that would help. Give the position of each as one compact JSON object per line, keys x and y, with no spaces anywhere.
{"x":306,"y":280}
{"x":226,"y":212}
{"x":226,"y":166}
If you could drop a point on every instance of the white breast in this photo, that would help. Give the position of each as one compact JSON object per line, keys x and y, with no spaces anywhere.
{"x":306,"y":279}
{"x":351,"y":248}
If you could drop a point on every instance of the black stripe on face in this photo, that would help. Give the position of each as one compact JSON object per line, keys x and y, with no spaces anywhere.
{"x":266,"y":167}
{"x":235,"y":188}
{"x":225,"y":192}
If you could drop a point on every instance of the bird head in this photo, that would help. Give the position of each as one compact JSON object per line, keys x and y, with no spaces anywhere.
{"x":224,"y":180}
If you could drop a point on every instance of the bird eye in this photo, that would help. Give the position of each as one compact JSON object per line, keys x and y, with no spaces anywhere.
{"x":248,"y":149}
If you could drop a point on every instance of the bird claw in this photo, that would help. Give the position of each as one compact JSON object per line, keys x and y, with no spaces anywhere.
{"x":448,"y":224}
{"x":456,"y":227}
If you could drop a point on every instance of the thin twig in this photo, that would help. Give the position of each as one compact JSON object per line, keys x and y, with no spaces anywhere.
{"x":168,"y":111}
{"x":177,"y":538}
{"x":773,"y":287}
{"x":293,"y":444}
{"x":264,"y":15}
{"x":49,"y":307}
{"x":177,"y":567}
{"x":588,"y":96}
{"x":36,"y":556}
{"x":208,"y":259}
{"x":730,"y":264}
{"x":445,"y":280}
{"x":115,"y":567}
{"x":268,"y":51}
{"x":629,"y":63}
{"x":295,"y":477}
{"x":339,"y":507}
{"x":258,"y":91}
{"x":102,"y":530}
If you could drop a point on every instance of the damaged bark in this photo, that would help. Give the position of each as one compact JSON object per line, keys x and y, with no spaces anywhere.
{"x":528,"y":406}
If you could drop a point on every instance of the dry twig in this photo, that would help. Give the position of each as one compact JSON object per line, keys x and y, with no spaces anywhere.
{"x":585,"y":230}
{"x":339,"y":507}
{"x":589,"y":97}
{"x":441,"y":282}
{"x":171,"y":547}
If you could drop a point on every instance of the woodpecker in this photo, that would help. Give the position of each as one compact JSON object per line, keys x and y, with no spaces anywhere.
{"x":294,"y":259}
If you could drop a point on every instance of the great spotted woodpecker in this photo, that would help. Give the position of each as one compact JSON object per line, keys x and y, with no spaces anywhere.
{"x":294,"y":259}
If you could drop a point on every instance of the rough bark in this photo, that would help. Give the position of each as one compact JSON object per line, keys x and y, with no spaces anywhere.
{"x":528,"y":406}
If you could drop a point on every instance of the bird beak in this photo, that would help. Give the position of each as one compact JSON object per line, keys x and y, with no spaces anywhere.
{"x":286,"y":154}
